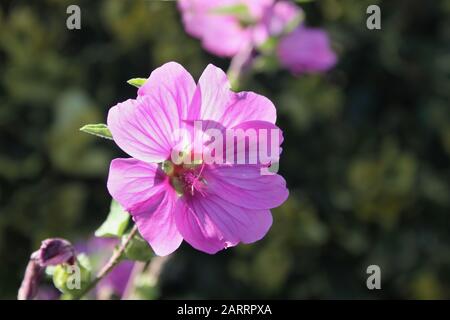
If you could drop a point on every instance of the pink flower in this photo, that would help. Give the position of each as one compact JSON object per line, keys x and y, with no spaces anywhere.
{"x":227,"y":26}
{"x":210,"y":206}
{"x":306,"y":50}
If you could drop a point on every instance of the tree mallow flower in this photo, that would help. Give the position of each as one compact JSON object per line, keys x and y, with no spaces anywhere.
{"x":212,"y":205}
{"x":227,"y":26}
{"x":306,"y":50}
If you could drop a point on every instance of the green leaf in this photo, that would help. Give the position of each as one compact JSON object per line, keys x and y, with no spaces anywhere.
{"x":239,"y":11}
{"x":137,"y":82}
{"x":269,"y":46}
{"x":138,"y":249}
{"x":84,"y":262}
{"x":99,"y":130}
{"x":116,"y":222}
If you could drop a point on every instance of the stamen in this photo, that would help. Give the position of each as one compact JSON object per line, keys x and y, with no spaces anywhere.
{"x":185,"y":179}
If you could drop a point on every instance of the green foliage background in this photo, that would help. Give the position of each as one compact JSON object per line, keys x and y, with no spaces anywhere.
{"x":366,"y":152}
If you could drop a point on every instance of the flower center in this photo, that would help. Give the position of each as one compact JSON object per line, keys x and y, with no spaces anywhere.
{"x":185,"y":178}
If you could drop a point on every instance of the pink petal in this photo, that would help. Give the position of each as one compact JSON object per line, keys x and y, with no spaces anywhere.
{"x":144,"y":128}
{"x":136,"y":185}
{"x":195,"y":14}
{"x":306,"y":50}
{"x":173,"y":80}
{"x":211,"y":224}
{"x":247,"y":106}
{"x":158,"y":226}
{"x":215,"y":92}
{"x":143,"y":190}
{"x":258,"y":8}
{"x":281,"y":15}
{"x":224,"y":36}
{"x":250,"y":142}
{"x":243,"y":185}
{"x":219,"y":103}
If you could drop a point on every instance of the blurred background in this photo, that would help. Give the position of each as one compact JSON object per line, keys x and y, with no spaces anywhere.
{"x":366,"y":151}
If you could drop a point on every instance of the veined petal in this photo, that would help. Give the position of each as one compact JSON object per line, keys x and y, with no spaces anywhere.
{"x":253,"y":142}
{"x":173,"y":80}
{"x":245,"y":186}
{"x":219,"y":103}
{"x":158,"y":226}
{"x":248,"y":106}
{"x":145,"y":128}
{"x":211,"y":224}
{"x":215,"y":92}
{"x":143,"y":190}
{"x":136,"y":185}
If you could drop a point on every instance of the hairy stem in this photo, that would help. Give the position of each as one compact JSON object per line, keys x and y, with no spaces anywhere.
{"x":112,"y":262}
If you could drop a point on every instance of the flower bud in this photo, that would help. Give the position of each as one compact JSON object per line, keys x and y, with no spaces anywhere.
{"x":30,"y":283}
{"x":54,"y":251}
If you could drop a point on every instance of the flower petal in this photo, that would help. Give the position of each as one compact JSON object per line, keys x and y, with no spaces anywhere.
{"x":225,"y":37}
{"x":248,"y":106}
{"x":144,"y":191}
{"x":306,"y":50}
{"x":263,"y":148}
{"x":215,"y":92}
{"x":172,"y":79}
{"x":211,"y":224}
{"x":245,"y":186}
{"x":158,"y":226}
{"x":219,"y":103}
{"x":145,"y":128}
{"x":135,"y":184}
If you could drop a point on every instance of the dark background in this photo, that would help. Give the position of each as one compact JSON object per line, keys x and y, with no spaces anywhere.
{"x":366,"y":151}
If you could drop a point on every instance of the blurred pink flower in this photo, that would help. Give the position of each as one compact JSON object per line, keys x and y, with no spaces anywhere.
{"x":211,"y":206}
{"x":99,"y":251}
{"x":306,"y":50}
{"x":226,"y":27}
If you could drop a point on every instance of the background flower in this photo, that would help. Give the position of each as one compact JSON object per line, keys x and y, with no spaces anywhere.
{"x":228,"y":26}
{"x":99,"y":251}
{"x":306,"y":50}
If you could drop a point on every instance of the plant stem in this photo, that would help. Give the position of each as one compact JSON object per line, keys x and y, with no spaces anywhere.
{"x":112,"y":262}
{"x":239,"y":62}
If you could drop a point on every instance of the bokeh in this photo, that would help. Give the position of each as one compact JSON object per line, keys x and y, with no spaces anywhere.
{"x":366,"y":151}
